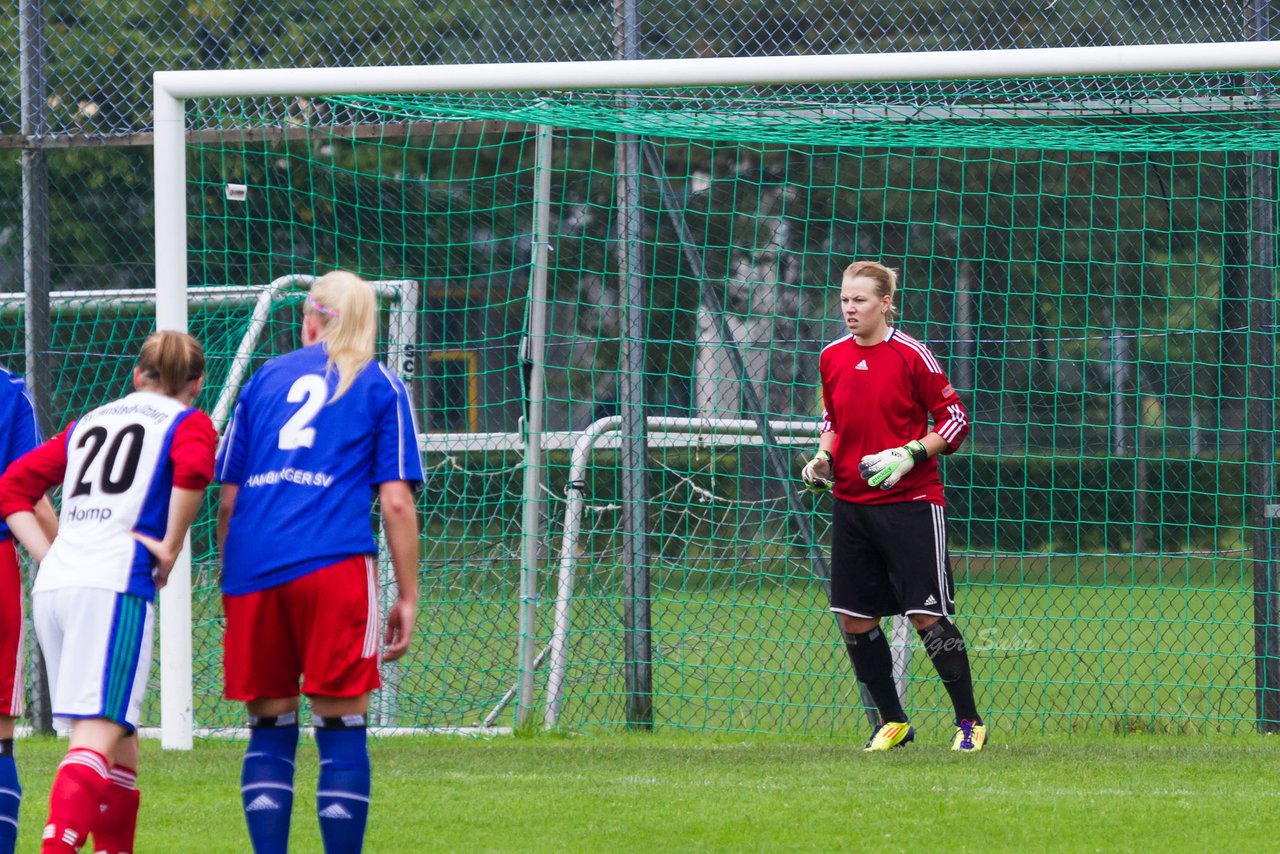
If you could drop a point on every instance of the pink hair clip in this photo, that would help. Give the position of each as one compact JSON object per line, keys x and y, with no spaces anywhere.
{"x":320,"y":309}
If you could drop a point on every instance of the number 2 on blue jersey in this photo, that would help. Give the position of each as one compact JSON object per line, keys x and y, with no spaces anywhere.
{"x":311,"y":391}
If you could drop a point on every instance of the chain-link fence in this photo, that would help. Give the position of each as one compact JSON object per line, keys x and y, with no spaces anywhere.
{"x":89,"y":66}
{"x":98,"y":57}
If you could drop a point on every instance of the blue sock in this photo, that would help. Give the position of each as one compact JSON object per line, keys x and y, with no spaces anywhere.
{"x":266,"y":781}
{"x":10,"y":797}
{"x":342,"y":796}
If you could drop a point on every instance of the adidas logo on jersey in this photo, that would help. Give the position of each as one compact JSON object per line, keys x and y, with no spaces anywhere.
{"x":861,"y":366}
{"x":334,"y":810}
{"x":262,"y":802}
{"x":931,"y":600}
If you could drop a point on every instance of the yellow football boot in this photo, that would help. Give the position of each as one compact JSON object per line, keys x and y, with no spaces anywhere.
{"x":970,"y":737}
{"x":890,"y":735}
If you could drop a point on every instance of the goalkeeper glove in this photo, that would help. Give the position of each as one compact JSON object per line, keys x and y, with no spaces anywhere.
{"x":886,"y":468}
{"x":817,"y":473}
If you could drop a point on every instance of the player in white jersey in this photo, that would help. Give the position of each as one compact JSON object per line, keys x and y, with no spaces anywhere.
{"x":132,"y":473}
{"x":317,"y":435}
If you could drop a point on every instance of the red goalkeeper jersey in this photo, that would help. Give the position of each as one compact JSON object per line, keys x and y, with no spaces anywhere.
{"x":880,"y":397}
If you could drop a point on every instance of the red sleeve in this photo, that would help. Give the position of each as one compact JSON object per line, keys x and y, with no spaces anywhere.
{"x":33,"y":474}
{"x":194,"y":445}
{"x":828,"y":424}
{"x":950,"y":421}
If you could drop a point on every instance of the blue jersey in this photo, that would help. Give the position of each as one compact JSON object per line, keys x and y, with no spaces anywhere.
{"x":19,"y":429}
{"x":308,"y":467}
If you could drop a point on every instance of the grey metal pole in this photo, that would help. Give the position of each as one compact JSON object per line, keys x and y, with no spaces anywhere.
{"x":966,"y":337}
{"x":1260,"y":416}
{"x":1260,"y":433}
{"x":634,"y":452}
{"x":535,"y":345}
{"x":35,"y":209}
{"x":35,"y":260}
{"x":1119,"y":371}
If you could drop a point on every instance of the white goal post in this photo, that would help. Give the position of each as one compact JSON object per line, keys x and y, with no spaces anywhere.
{"x":173,"y":88}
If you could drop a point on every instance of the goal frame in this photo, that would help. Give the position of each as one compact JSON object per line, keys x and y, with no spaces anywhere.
{"x":173,"y":88}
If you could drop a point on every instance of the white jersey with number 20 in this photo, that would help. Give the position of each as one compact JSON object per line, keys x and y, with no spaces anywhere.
{"x":116,"y":482}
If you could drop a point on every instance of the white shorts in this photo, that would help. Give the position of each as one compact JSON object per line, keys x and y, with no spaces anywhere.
{"x":97,"y":649}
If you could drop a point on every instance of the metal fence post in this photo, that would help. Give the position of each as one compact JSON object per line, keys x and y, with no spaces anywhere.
{"x":1260,"y":432}
{"x":634,"y":457}
{"x":35,"y":262}
{"x":1260,"y":416}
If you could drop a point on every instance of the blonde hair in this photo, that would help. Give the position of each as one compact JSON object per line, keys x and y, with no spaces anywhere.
{"x":171,"y":360}
{"x":886,"y":279}
{"x":347,"y":311}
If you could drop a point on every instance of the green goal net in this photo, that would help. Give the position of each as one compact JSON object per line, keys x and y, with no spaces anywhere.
{"x":1091,"y":259}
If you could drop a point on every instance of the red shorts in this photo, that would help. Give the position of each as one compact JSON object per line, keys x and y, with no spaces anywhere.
{"x":12,"y":631}
{"x":321,"y":629}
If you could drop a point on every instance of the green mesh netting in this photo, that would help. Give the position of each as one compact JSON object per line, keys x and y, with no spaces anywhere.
{"x":1079,"y":253}
{"x":1140,"y":113}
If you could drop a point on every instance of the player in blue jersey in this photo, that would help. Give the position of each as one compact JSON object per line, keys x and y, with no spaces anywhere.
{"x":317,"y":435}
{"x":133,"y":473}
{"x":19,"y":433}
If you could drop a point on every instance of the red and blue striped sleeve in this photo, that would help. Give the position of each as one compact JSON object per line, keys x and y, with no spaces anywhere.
{"x":192,"y":452}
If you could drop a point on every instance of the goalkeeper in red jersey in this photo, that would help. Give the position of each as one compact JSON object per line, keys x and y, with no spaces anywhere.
{"x":881,"y":389}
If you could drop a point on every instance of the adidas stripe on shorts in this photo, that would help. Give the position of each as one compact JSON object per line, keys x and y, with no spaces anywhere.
{"x":890,"y":559}
{"x":97,"y":649}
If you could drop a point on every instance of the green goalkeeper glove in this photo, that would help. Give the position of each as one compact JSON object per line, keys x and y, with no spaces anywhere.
{"x":886,"y":468}
{"x":817,"y":473}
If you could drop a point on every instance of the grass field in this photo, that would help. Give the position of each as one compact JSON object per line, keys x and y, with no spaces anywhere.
{"x":673,"y":792}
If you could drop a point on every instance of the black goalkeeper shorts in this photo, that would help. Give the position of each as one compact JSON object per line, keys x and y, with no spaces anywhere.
{"x":890,"y":559}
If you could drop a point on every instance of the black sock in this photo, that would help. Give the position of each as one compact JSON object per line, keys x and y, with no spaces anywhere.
{"x":945,"y":646}
{"x":6,"y":746}
{"x":873,"y":664}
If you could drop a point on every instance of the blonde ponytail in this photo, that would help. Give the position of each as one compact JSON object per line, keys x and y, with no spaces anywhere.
{"x":347,"y":312}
